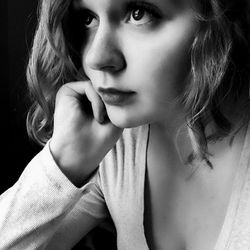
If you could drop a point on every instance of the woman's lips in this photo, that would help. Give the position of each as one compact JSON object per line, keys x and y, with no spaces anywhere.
{"x":116,"y":97}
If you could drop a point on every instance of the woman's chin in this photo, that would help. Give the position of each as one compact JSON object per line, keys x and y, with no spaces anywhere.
{"x":124,"y":122}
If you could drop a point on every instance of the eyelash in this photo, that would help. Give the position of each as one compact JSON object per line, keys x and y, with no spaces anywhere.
{"x":147,"y":7}
{"x":134,"y":5}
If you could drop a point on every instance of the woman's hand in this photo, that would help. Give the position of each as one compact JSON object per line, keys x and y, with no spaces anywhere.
{"x":80,"y":140}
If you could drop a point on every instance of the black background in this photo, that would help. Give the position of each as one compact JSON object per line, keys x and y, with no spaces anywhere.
{"x":18,"y":21}
{"x":21,"y":26}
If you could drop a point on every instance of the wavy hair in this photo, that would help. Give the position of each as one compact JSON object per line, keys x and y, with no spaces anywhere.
{"x":220,"y":67}
{"x":220,"y":71}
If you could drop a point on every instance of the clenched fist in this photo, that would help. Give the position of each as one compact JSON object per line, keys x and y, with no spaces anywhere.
{"x":80,"y":140}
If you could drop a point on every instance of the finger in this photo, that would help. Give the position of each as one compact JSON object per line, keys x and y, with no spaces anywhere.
{"x":85,"y":88}
{"x":75,"y":88}
{"x":97,"y":104}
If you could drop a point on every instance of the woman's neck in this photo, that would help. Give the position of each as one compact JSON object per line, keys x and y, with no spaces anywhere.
{"x":173,"y":141}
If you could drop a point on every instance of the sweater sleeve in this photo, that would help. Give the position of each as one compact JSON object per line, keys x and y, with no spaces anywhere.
{"x":32,"y":210}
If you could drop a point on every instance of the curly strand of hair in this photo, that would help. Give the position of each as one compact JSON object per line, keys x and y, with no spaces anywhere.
{"x":209,"y":59}
{"x":218,"y":71}
{"x":49,"y":67}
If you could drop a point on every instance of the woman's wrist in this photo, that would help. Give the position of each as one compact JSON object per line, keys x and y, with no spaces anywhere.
{"x":75,"y":170}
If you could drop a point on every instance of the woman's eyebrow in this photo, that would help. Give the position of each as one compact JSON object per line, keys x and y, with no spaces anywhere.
{"x":113,"y":5}
{"x":123,"y":3}
{"x":165,"y":5}
{"x":77,"y":4}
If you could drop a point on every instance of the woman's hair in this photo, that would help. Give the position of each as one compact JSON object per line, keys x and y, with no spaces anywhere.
{"x":220,"y":66}
{"x":220,"y":71}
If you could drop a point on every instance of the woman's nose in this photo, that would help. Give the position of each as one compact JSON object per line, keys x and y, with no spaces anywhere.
{"x":104,"y":53}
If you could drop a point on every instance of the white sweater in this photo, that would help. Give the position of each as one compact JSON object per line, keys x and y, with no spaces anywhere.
{"x":44,"y":210}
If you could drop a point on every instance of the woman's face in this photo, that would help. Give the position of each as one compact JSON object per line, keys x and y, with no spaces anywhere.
{"x":142,"y":48}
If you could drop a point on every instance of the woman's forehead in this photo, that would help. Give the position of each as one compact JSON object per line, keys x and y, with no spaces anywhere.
{"x":109,"y":4}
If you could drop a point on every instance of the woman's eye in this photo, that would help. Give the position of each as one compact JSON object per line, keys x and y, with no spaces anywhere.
{"x":138,"y":13}
{"x":142,"y":14}
{"x":90,"y":21}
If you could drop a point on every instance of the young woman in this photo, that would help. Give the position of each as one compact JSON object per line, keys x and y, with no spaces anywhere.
{"x":143,"y":107}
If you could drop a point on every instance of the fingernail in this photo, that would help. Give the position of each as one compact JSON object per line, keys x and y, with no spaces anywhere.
{"x":101,"y":119}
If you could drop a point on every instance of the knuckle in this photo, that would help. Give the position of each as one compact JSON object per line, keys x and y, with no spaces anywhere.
{"x":64,"y":87}
{"x":73,"y":88}
{"x":88,"y":86}
{"x":61,"y":91}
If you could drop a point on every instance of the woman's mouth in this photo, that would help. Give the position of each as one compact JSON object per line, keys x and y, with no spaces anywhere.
{"x":112,"y":96}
